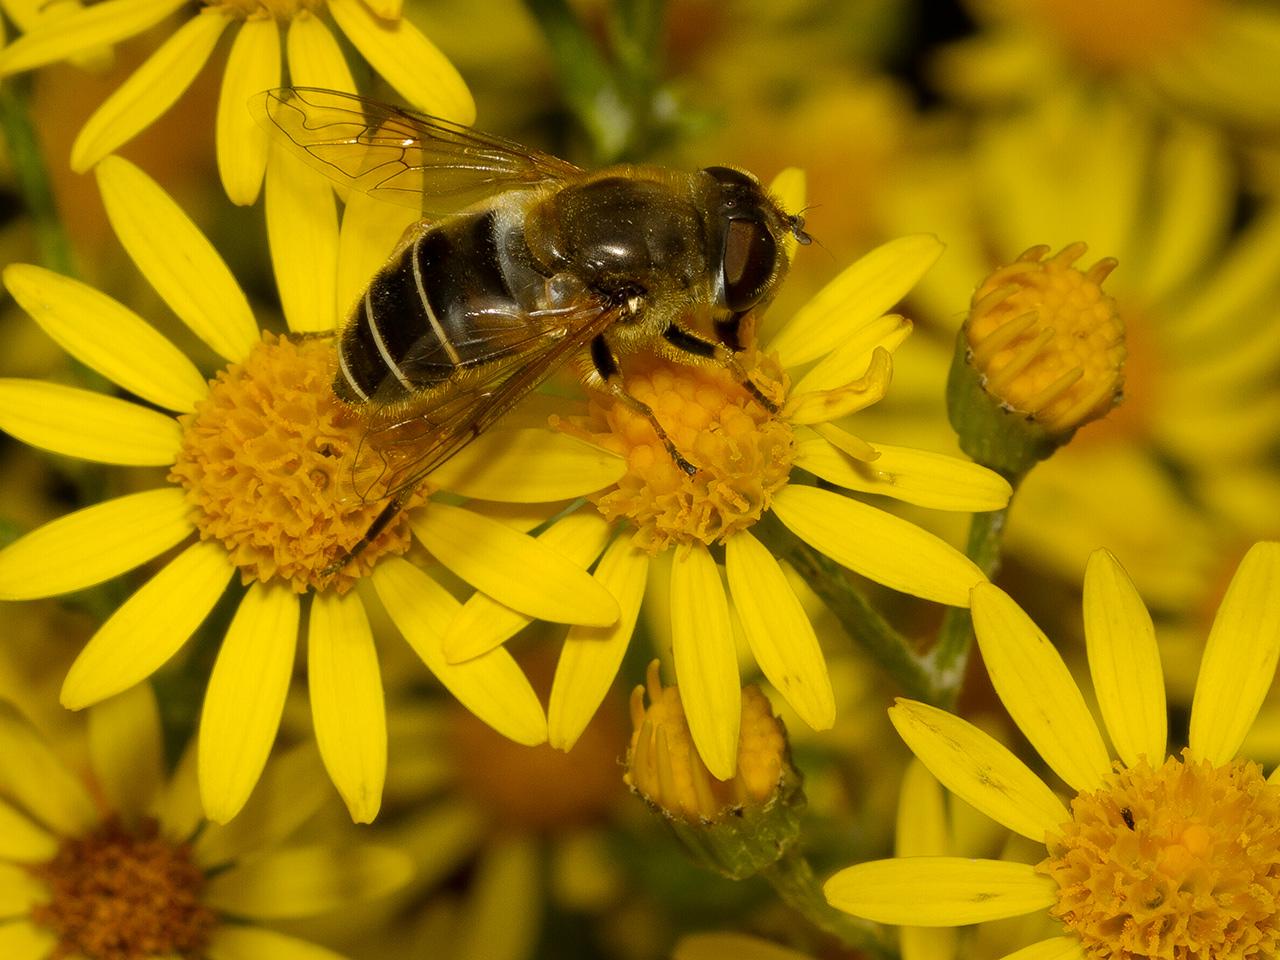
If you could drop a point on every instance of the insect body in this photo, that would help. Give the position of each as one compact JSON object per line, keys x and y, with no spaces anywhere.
{"x":547,"y":265}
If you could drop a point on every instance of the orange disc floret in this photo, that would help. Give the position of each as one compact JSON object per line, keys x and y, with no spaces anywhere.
{"x":269,"y":461}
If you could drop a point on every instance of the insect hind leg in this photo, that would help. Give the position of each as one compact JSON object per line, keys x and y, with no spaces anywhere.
{"x":380,"y":522}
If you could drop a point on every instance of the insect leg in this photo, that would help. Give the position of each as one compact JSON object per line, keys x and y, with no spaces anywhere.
{"x":698,"y":346}
{"x":609,"y":380}
{"x":384,"y":517}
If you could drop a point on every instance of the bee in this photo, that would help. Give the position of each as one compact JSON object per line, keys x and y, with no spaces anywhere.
{"x":524,"y":263}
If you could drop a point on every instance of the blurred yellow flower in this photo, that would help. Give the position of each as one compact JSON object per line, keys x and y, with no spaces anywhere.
{"x":1203,"y":57}
{"x":392,"y":46}
{"x":120,"y":867}
{"x":261,"y":462}
{"x":1199,"y":416}
{"x":1159,"y":856}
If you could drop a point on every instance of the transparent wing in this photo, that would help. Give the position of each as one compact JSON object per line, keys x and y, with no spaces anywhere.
{"x":409,"y":158}
{"x":413,"y":442}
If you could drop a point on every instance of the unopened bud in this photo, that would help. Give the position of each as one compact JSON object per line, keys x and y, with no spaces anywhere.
{"x":736,"y":827}
{"x":1041,"y":354}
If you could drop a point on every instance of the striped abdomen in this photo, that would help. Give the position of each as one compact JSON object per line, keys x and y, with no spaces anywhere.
{"x":454,"y":298}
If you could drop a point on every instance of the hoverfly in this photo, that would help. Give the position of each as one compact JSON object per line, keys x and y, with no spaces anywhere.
{"x":534,"y":264}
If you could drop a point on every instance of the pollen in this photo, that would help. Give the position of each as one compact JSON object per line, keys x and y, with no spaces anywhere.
{"x":1118,"y":34}
{"x":274,"y":467}
{"x":122,"y":895}
{"x":664,"y":766}
{"x":742,"y":452}
{"x":1180,"y":862}
{"x":1046,"y":339}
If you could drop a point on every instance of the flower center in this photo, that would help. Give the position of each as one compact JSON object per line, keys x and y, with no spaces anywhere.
{"x":118,"y":895}
{"x":276,"y":9}
{"x":1048,"y":342}
{"x":1180,"y":862}
{"x":1115,"y":34}
{"x":742,"y":452}
{"x":274,"y":467}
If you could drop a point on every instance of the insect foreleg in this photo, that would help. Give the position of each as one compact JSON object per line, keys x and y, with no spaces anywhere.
{"x":690,"y":342}
{"x":384,"y":517}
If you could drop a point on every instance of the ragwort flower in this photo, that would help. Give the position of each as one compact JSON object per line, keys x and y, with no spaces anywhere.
{"x":391,"y":44}
{"x":1159,"y":856}
{"x":261,"y":463}
{"x":122,"y":867}
{"x":837,"y":351}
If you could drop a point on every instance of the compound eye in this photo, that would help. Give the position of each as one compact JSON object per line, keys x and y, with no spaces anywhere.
{"x":749,"y":256}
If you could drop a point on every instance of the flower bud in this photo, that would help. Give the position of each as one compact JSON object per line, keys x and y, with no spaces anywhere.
{"x":1040,"y":354}
{"x":735,"y":827}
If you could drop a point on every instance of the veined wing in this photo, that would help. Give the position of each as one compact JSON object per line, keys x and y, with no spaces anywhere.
{"x":414,"y":442}
{"x":399,"y":155}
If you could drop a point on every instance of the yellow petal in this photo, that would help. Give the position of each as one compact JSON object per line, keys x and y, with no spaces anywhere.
{"x":1037,"y":689}
{"x":22,"y":840}
{"x":781,"y":636}
{"x":177,"y":810}
{"x":94,"y":26}
{"x":245,"y":698}
{"x":822,"y":406}
{"x":253,"y":66}
{"x":591,"y":656}
{"x":150,"y":626}
{"x":706,"y":659}
{"x":293,"y":787}
{"x":21,"y":940}
{"x":302,"y":226}
{"x":1124,"y":662}
{"x":19,"y":891}
{"x":858,"y":296}
{"x":531,"y":465}
{"x":315,"y":59}
{"x":512,"y":567}
{"x":922,"y":828}
{"x":149,"y":91}
{"x":127,"y":749}
{"x":913,"y":476}
{"x":407,"y":60}
{"x":501,"y":921}
{"x":878,"y":545}
{"x":483,"y":623}
{"x":850,"y":360}
{"x":1239,"y":660}
{"x":387,"y":9}
{"x":176,"y":259}
{"x":306,"y":881}
{"x":978,"y":769}
{"x":93,"y":544}
{"x":234,"y":942}
{"x":347,"y":708}
{"x":492,"y":686}
{"x":939,"y":891}
{"x":1058,"y":948}
{"x":107,"y":337}
{"x":34,"y":778}
{"x":88,"y":425}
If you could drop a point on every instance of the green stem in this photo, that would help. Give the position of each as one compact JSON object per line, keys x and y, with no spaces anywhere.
{"x":793,"y":880}
{"x":949,"y":659}
{"x":33,"y":179}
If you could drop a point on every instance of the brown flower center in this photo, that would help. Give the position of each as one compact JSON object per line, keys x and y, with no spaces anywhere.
{"x":118,"y":895}
{"x":742,"y":452}
{"x":275,"y":468}
{"x":1179,"y":863}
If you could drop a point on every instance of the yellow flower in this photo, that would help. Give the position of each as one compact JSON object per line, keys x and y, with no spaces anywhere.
{"x":1159,"y":856}
{"x":392,"y":45}
{"x":260,"y":467}
{"x":838,"y":349}
{"x":121,"y":867}
{"x":1214,"y":57}
{"x":1199,"y":413}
